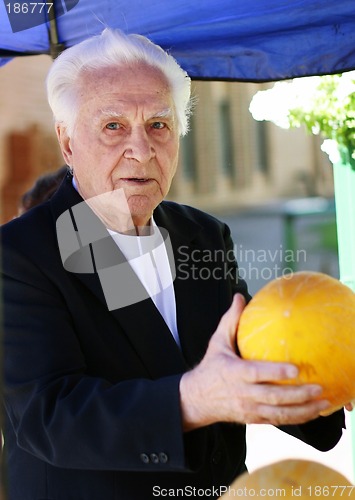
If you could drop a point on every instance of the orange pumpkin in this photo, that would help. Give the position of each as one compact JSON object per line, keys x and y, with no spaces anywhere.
{"x":308,"y":319}
{"x":292,"y":478}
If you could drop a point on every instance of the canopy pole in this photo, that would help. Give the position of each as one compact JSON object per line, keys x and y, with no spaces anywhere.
{"x":55,"y":46}
{"x":344,"y":185}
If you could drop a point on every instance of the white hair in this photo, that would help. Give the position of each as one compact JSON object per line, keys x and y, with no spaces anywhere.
{"x":113,"y":48}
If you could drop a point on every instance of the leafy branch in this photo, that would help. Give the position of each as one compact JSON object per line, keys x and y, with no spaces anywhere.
{"x":325,"y":105}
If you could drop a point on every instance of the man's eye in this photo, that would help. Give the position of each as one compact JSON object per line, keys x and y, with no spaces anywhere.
{"x":158,"y":125}
{"x":113,"y":126}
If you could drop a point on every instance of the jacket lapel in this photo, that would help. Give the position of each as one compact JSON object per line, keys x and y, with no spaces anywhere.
{"x":196,"y":293}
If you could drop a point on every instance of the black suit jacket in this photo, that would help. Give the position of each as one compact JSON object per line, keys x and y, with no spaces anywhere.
{"x":92,"y":395}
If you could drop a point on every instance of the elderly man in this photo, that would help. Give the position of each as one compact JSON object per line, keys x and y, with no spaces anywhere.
{"x":122,"y":379}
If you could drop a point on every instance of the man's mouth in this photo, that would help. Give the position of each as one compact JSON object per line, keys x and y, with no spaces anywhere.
{"x":140,"y":180}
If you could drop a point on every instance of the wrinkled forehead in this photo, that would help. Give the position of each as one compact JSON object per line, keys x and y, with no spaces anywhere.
{"x":126,"y":91}
{"x":137,"y":78}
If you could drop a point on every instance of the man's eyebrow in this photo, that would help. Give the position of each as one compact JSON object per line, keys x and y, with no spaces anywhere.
{"x":165,"y":113}
{"x":110,"y":113}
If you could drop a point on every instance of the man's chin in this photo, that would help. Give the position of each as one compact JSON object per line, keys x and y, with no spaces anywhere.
{"x":141,"y":209}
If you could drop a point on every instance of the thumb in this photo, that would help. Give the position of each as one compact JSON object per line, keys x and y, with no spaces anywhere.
{"x":229,"y":321}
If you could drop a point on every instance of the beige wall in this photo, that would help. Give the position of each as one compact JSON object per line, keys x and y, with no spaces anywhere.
{"x":22,"y":100}
{"x":296,"y":166}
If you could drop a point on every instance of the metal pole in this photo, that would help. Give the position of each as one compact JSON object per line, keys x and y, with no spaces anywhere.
{"x":344,"y":185}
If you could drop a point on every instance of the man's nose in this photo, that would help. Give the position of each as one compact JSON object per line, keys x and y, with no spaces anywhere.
{"x":138,"y":145}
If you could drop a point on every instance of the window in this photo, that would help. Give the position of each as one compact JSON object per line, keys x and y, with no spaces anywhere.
{"x":189,"y":155}
{"x":226,"y":139}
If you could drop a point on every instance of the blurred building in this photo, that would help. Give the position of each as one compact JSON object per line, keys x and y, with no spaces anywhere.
{"x":28,"y":146}
{"x":228,"y":160}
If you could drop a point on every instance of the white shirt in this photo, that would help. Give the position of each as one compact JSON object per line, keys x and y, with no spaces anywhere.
{"x":147,"y":255}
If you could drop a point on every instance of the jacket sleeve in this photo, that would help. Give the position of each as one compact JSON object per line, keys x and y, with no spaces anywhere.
{"x":238,"y":284}
{"x":322,"y":433}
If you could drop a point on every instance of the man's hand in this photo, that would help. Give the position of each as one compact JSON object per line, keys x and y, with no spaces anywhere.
{"x":350,"y":406}
{"x":226,"y":388}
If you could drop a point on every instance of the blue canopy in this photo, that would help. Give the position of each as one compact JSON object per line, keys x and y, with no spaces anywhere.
{"x":259,"y":40}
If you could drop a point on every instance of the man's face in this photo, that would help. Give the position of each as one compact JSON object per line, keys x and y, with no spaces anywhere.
{"x":125,"y":136}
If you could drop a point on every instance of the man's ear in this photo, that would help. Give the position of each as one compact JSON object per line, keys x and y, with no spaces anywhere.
{"x":64,"y":143}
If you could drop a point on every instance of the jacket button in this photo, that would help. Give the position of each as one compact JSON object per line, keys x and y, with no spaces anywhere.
{"x":154,"y":458}
{"x":163,"y":458}
{"x":145,"y":459}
